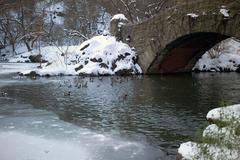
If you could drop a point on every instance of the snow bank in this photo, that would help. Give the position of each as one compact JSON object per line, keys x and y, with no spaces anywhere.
{"x":56,"y":57}
{"x":101,"y":55}
{"x":225,"y":56}
{"x":220,"y":140}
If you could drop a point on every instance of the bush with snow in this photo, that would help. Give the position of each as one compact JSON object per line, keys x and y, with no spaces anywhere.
{"x":101,"y":55}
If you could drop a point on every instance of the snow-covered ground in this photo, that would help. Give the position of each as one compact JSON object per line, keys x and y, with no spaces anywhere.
{"x":221,"y":140}
{"x":7,"y":68}
{"x":225,"y":56}
{"x":101,"y":55}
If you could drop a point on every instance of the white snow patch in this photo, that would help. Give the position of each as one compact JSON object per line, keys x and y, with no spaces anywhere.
{"x":119,"y":17}
{"x":193,"y":15}
{"x":224,"y":12}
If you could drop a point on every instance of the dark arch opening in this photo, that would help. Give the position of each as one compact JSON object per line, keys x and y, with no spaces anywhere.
{"x":182,"y":54}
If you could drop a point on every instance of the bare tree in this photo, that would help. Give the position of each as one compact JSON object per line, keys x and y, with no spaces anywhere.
{"x":11,"y":32}
{"x":18,"y":24}
{"x":135,"y":10}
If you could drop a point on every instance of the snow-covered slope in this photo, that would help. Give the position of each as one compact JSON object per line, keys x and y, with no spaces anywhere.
{"x":225,"y":56}
{"x":101,"y":55}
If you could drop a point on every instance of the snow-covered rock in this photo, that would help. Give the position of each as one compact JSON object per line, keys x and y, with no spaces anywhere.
{"x":194,"y":151}
{"x":101,"y":55}
{"x":225,"y":113}
{"x":188,"y":150}
{"x":225,"y":56}
{"x":220,"y":140}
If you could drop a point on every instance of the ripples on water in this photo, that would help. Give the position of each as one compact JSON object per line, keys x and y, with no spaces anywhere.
{"x":135,"y":112}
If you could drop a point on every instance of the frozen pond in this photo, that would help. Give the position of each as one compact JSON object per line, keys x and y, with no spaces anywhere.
{"x":106,"y":118}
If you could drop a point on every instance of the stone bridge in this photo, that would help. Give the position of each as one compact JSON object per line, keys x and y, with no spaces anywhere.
{"x":181,"y":33}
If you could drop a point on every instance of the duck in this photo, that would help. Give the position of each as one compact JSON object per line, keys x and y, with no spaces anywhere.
{"x":67,"y":93}
{"x":4,"y":94}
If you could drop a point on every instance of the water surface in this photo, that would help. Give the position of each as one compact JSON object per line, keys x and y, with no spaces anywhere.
{"x":136,"y":117}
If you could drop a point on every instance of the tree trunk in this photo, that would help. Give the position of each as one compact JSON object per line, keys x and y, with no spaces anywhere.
{"x":27,"y":45}
{"x":13,"y":48}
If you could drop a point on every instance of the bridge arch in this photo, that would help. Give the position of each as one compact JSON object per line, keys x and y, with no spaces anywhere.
{"x":182,"y":54}
{"x":160,"y":41}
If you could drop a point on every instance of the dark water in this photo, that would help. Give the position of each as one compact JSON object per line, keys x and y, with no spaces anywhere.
{"x":161,"y":111}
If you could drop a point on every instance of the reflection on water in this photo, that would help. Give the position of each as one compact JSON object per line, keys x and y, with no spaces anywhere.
{"x":135,"y":112}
